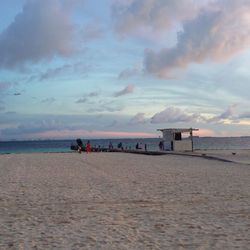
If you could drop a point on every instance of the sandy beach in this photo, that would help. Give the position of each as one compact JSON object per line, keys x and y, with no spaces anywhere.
{"x":123,"y":201}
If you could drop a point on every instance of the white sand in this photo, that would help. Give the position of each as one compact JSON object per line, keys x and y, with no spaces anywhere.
{"x":240,"y":155}
{"x":122,"y":201}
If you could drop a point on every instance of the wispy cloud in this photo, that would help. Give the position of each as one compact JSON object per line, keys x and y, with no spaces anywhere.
{"x":64,"y":70}
{"x":93,"y":94}
{"x":105,"y":107}
{"x":49,"y":100}
{"x":86,"y":97}
{"x":127,"y":90}
{"x":82,"y":100}
{"x":130,"y":72}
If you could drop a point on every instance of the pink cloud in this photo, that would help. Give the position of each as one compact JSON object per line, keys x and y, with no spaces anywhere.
{"x":211,"y":30}
{"x":42,"y":30}
{"x":135,"y":15}
{"x":217,"y":34}
{"x":127,"y":90}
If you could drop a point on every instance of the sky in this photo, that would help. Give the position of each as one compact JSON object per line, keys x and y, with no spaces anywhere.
{"x":123,"y":68}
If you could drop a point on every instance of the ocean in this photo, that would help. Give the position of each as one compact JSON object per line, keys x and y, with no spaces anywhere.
{"x":200,"y":143}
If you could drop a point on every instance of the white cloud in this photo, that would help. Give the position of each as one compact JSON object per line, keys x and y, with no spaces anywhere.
{"x":211,"y":30}
{"x":42,"y":30}
{"x":139,"y":118}
{"x":133,"y":15}
{"x":228,"y":114}
{"x":217,"y":34}
{"x":174,"y":115}
{"x":127,"y":90}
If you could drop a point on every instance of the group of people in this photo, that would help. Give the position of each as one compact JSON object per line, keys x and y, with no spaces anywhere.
{"x":80,"y":146}
{"x":88,"y":148}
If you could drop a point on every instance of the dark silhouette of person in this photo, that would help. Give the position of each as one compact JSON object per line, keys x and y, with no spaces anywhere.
{"x":120,"y":146}
{"x":110,"y":145}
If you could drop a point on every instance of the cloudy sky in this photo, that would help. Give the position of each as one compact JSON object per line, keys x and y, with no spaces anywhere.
{"x":123,"y":68}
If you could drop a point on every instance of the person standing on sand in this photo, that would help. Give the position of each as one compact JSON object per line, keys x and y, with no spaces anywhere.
{"x":160,"y":145}
{"x":88,"y":147}
{"x":110,"y":145}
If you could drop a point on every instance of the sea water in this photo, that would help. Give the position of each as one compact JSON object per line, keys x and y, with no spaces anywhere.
{"x":202,"y":143}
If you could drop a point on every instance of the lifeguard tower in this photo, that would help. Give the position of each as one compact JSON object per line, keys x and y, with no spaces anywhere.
{"x":172,"y":139}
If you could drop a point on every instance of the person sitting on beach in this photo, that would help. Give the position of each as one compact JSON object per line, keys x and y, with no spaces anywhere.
{"x":79,"y":149}
{"x":120,"y":146}
{"x":88,"y":147}
{"x":79,"y":145}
